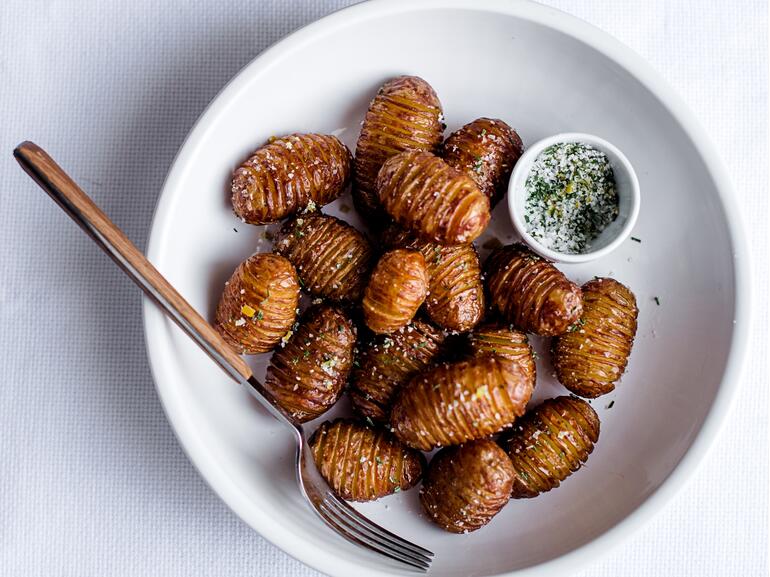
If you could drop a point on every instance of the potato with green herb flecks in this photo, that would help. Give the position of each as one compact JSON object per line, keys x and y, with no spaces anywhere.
{"x":362,"y":463}
{"x":259,"y":304}
{"x":308,"y":373}
{"x":504,"y":341}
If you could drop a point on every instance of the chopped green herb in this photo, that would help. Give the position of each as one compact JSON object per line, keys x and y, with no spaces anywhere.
{"x":369,"y":421}
{"x":576,"y":325}
{"x":397,"y":489}
{"x":612,"y":403}
{"x":639,"y":240}
{"x":260,"y":315}
{"x":235,"y":229}
{"x":657,"y":300}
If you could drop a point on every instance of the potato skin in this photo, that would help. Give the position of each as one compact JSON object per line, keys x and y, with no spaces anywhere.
{"x":333,"y":259}
{"x":466,"y":486}
{"x":506,"y":342}
{"x":285,"y":175}
{"x":549,"y":444}
{"x":455,"y":298}
{"x":387,"y":363}
{"x":259,"y":303}
{"x":486,"y":150}
{"x":459,"y":402}
{"x":591,"y":358}
{"x":404,"y":115}
{"x":308,"y":374}
{"x":396,"y":289}
{"x":362,"y":463}
{"x":530,"y":292}
{"x":424,"y":194}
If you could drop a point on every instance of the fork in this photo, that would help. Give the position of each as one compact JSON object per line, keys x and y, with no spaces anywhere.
{"x":335,"y":512}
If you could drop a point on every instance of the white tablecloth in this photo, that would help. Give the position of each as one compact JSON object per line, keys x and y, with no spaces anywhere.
{"x":92,"y":481}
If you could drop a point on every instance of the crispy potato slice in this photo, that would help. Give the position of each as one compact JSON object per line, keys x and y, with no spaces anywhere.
{"x":550,"y":443}
{"x":591,"y":357}
{"x":362,"y":463}
{"x":530,"y":292}
{"x":459,"y":402}
{"x":466,"y":486}
{"x":285,"y":175}
{"x":396,"y":289}
{"x":259,"y":303}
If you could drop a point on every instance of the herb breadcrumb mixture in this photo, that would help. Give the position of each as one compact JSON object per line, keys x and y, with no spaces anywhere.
{"x":571,"y":197}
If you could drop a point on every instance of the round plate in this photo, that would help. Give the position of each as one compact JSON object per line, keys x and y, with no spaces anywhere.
{"x":543,"y":72}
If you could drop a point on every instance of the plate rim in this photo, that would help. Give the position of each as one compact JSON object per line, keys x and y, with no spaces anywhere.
{"x":634,"y":64}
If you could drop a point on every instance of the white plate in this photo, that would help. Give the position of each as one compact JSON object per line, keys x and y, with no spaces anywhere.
{"x":544,"y":72}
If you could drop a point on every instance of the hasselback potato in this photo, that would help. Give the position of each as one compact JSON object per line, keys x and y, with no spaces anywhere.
{"x":530,"y":292}
{"x":362,"y":463}
{"x":591,"y":357}
{"x":287,"y":174}
{"x":259,"y":304}
{"x":459,"y":402}
{"x":396,"y":289}
{"x":307,"y":375}
{"x":486,"y":150}
{"x":404,"y":115}
{"x":550,"y":443}
{"x":455,"y":298}
{"x":466,"y":486}
{"x":333,"y":259}
{"x":387,"y":362}
{"x":424,"y":194}
{"x":504,"y":341}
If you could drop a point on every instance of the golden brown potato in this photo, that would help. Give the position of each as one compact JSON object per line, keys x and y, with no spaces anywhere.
{"x":395,"y":291}
{"x":486,"y":150}
{"x":530,"y":292}
{"x":459,"y":402}
{"x":591,"y":357}
{"x":504,"y":341}
{"x":424,"y":194}
{"x":550,"y":443}
{"x":467,"y":485}
{"x":308,"y":374}
{"x":405,"y":115}
{"x":332,"y":258}
{"x":387,"y":362}
{"x":362,"y":463}
{"x":287,"y":174}
{"x":259,"y":304}
{"x":455,"y":298}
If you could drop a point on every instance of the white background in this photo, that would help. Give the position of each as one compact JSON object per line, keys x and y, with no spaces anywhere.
{"x":92,"y":481}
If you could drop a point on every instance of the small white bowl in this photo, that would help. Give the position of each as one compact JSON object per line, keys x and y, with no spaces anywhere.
{"x":628,"y":197}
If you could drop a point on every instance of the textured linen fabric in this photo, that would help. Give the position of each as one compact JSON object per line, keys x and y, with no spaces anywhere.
{"x":92,"y":481}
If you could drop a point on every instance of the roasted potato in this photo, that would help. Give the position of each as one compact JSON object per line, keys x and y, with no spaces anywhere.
{"x":287,"y":174}
{"x":405,"y":115}
{"x":362,"y":463}
{"x":387,"y":362}
{"x":549,"y":444}
{"x":504,"y":341}
{"x":459,"y":402}
{"x":332,"y":258}
{"x":486,"y":150}
{"x":395,"y":291}
{"x":466,"y":486}
{"x":424,"y":194}
{"x":455,"y":298}
{"x":530,"y":292}
{"x":308,"y":374}
{"x":591,"y":357}
{"x":259,"y":304}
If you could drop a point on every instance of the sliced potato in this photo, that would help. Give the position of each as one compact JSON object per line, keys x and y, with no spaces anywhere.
{"x":591,"y":357}
{"x":424,"y":194}
{"x":259,"y":304}
{"x":506,"y":342}
{"x":530,"y":292}
{"x":550,"y":443}
{"x":466,"y":486}
{"x":459,"y":402}
{"x":362,"y":463}
{"x":285,"y":175}
{"x":333,"y":259}
{"x":308,"y":374}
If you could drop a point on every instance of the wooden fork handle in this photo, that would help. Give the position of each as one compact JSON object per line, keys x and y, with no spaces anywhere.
{"x":59,"y":186}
